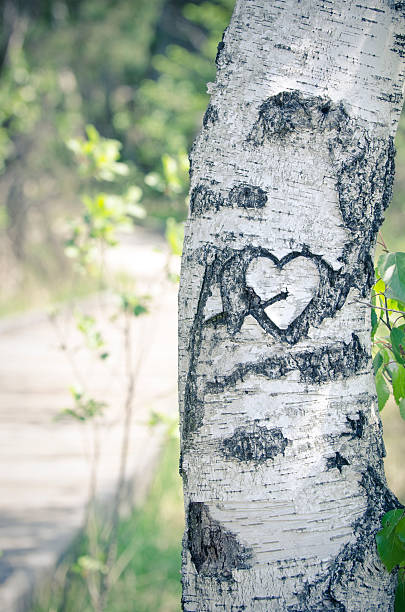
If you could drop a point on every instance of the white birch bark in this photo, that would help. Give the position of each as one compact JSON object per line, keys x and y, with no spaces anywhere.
{"x":281,"y":438}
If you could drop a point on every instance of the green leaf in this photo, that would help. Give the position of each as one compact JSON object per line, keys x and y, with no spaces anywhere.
{"x":400,"y":529}
{"x":137,"y":305}
{"x":91,"y":564}
{"x":392,"y":518}
{"x":400,"y":592}
{"x":383,"y":392}
{"x":92,"y":133}
{"x":76,"y":393}
{"x":386,"y":355}
{"x":73,"y":413}
{"x":374,"y":323}
{"x":398,"y":382}
{"x":378,"y":361}
{"x":391,"y":267}
{"x":402,"y":408}
{"x":139,"y":309}
{"x":395,"y":305}
{"x":379,"y":287}
{"x":397,"y":336}
{"x":400,"y":306}
{"x":390,"y":549}
{"x":84,"y":409}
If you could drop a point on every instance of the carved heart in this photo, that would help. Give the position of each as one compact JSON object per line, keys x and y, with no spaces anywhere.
{"x":298,"y":277}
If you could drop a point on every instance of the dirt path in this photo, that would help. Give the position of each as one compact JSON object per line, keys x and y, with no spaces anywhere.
{"x":44,"y":468}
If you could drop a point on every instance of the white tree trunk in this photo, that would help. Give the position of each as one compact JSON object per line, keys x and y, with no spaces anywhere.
{"x":281,"y":438}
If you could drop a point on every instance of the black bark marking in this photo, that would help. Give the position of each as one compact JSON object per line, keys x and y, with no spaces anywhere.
{"x":364,"y":186}
{"x":271,"y":367}
{"x":220,"y":46}
{"x":332,"y":362}
{"x":247,"y":196}
{"x":356,"y":425}
{"x":314,"y":596}
{"x":399,"y":45}
{"x":352,"y":570}
{"x":363,"y":162}
{"x":257,"y":444}
{"x":190,"y":165}
{"x":203,"y":200}
{"x":358,"y":157}
{"x":337,"y":461}
{"x":193,"y":406}
{"x":239,"y":300}
{"x":400,"y":6}
{"x":217,"y":319}
{"x":345,"y":575}
{"x":210,"y":116}
{"x":214,"y":550}
{"x":363,"y":199}
{"x":290,"y":111}
{"x":340,"y":360}
{"x":281,"y":46}
{"x":222,"y":57}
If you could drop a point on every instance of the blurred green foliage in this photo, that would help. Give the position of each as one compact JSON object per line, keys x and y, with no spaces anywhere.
{"x":104,"y":213}
{"x":136,"y":70}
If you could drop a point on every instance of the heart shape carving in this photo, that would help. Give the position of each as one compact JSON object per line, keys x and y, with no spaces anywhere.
{"x":294,"y":280}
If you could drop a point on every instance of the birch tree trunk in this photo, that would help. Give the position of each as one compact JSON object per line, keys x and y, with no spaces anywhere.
{"x":281,"y":439}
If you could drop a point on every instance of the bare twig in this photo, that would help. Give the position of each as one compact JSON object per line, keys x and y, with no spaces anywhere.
{"x":387,"y":316}
{"x":113,"y":568}
{"x":382,"y":242}
{"x":401,"y":312}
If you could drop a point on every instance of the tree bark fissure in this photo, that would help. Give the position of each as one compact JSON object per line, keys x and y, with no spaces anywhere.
{"x":281,"y":439}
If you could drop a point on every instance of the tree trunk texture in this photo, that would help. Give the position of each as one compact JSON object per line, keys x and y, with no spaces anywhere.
{"x":281,"y":439}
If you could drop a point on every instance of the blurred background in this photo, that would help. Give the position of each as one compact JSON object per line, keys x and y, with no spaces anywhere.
{"x":137,"y":71}
{"x":100,"y":101}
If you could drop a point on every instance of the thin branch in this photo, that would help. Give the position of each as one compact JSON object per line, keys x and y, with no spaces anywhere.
{"x":401,"y":312}
{"x":382,"y":243}
{"x":400,"y":317}
{"x":387,"y":317}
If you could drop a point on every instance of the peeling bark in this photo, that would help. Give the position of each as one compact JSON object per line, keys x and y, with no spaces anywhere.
{"x":281,"y":439}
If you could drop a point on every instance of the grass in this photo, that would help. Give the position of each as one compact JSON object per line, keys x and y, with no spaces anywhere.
{"x":152,"y":538}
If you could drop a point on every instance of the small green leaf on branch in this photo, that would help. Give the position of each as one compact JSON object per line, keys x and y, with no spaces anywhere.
{"x":389,"y":545}
{"x":374,"y":323}
{"x":402,"y":408}
{"x":391,"y":267}
{"x":383,"y":391}
{"x":400,"y":592}
{"x":397,"y":336}
{"x":398,"y":382}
